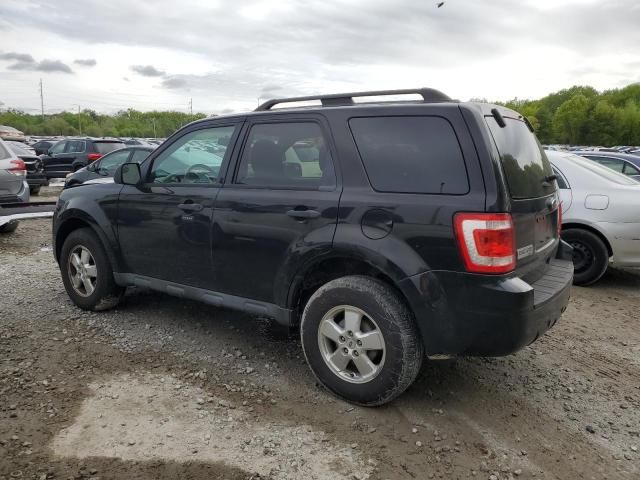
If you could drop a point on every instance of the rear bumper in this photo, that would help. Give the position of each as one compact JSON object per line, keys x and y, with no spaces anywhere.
{"x":37,"y":180}
{"x":465,"y":314}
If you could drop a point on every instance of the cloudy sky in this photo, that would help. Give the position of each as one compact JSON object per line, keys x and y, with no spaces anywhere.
{"x":225,"y":55}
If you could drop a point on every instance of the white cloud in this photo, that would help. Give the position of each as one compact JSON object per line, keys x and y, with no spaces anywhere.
{"x":227,"y":55}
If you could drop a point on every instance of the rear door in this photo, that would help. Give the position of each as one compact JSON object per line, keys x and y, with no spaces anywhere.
{"x":532,"y":189}
{"x":280,"y":203}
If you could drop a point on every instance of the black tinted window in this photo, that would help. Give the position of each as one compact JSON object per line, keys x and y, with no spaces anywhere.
{"x":411,"y":154}
{"x":523,"y":160}
{"x":286,"y":155}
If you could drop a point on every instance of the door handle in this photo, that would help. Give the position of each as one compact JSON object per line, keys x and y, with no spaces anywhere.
{"x":190,"y":207}
{"x":303,"y":214}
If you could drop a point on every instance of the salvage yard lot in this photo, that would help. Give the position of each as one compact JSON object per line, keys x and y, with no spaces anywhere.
{"x":166,"y":388}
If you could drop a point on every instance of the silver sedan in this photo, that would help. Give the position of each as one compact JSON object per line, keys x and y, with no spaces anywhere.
{"x":601,"y":215}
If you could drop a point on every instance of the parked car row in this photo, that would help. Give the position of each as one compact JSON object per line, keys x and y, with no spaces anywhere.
{"x":13,"y":184}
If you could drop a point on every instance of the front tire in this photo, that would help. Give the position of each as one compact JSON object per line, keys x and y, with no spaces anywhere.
{"x":590,"y":255}
{"x":86,"y":272}
{"x":360,"y":340}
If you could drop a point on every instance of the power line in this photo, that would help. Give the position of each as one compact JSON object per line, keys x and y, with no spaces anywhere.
{"x":41,"y":101}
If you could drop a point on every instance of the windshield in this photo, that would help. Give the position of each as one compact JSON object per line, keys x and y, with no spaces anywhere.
{"x":602,"y":171}
{"x":524,"y":162}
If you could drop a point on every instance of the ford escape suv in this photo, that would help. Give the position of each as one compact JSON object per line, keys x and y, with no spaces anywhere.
{"x":385,"y":230}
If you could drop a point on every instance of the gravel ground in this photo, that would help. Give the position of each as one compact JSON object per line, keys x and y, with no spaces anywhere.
{"x":167,"y":388}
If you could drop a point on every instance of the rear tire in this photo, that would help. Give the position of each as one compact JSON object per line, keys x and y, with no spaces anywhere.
{"x":590,"y":255}
{"x":368,"y":361}
{"x":34,"y":190}
{"x":9,"y":227}
{"x":87,"y":273}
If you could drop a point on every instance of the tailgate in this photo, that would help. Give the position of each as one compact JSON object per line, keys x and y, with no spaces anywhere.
{"x":532,"y":190}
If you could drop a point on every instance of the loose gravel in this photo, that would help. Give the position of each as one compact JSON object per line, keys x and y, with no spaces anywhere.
{"x":167,"y":388}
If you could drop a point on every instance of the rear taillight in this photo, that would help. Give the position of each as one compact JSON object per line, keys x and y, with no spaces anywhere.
{"x":486,"y":241}
{"x":559,"y":219}
{"x":92,"y":157}
{"x":19,"y":168}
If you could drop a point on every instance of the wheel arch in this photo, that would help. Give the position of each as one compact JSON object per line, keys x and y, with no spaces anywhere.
{"x":75,"y":222}
{"x":589,"y":228}
{"x":330,"y":267}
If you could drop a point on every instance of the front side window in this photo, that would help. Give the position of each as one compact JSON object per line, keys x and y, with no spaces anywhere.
{"x":58,"y":147}
{"x":411,"y":154}
{"x":195,"y":158}
{"x":112,"y":161}
{"x":286,"y":155}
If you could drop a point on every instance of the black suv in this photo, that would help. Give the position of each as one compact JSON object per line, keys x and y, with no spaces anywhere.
{"x":386,"y":231}
{"x":71,"y":155}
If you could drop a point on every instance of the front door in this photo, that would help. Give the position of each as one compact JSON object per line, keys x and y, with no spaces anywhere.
{"x":164,"y":225}
{"x":279,"y":204}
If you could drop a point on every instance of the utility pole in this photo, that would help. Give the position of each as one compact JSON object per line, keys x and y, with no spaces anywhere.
{"x":191,"y":106}
{"x":41,"y":100}
{"x":153,"y":120}
{"x":79,"y":122}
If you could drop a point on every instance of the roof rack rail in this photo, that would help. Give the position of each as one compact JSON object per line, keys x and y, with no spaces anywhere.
{"x":337,"y":99}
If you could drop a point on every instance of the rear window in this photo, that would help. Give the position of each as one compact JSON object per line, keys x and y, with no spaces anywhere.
{"x":411,"y":154}
{"x":4,"y":153}
{"x":19,"y":149}
{"x":524,"y":162}
{"x":106,"y":147}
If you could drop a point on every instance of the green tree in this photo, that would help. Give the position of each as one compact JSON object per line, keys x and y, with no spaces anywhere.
{"x":570,"y":120}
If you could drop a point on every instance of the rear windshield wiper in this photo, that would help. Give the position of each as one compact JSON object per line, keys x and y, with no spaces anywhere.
{"x":546,"y":181}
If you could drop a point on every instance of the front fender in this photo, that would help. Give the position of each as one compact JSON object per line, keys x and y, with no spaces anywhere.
{"x":96,"y":210}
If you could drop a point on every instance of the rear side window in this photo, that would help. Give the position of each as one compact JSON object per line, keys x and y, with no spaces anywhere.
{"x":106,"y":147}
{"x":411,"y":154}
{"x":75,"y":146}
{"x":287,"y":155}
{"x":524,"y":162}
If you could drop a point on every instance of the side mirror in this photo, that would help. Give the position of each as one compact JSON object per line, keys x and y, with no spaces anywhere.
{"x":128,"y":174}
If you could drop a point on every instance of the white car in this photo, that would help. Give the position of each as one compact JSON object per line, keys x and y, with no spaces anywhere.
{"x":600,"y":215}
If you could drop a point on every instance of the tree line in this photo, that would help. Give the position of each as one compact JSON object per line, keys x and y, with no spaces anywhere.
{"x":126,"y":123}
{"x":577,"y":116}
{"x":584,"y":116}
